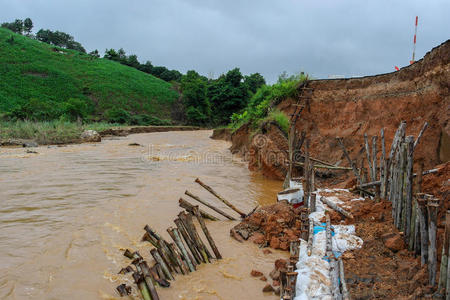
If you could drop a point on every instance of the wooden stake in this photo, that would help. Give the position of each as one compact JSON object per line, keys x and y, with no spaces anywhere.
{"x":425,"y":126}
{"x":306,"y":173}
{"x":336,"y":207}
{"x":310,"y":237}
{"x":149,"y":280}
{"x":197,"y":238}
{"x":188,"y":206}
{"x":369,"y":162}
{"x":209,"y":189}
{"x":206,"y":232}
{"x":383,"y":166}
{"x":187,"y":239}
{"x":432,"y":206}
{"x":444,"y":257}
{"x":161,"y":262}
{"x":423,"y":219}
{"x":409,"y":188}
{"x":209,"y":205}
{"x":374,"y":158}
{"x":139,"y":280}
{"x":174,"y":233}
{"x":180,"y":261}
{"x":352,"y":164}
{"x":312,"y":204}
{"x":345,"y":293}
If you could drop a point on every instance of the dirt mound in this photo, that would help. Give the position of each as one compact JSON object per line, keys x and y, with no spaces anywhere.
{"x":222,"y":134}
{"x":275,"y":226}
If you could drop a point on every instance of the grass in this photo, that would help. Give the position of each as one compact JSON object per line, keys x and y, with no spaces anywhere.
{"x":30,"y":69}
{"x":280,"y":118}
{"x":52,"y":132}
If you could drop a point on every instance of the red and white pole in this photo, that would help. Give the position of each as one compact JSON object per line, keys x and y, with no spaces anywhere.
{"x":415,"y":38}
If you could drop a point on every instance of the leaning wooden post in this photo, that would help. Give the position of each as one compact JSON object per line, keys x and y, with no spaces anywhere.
{"x":383,"y":164}
{"x":183,"y":266}
{"x":209,"y":189}
{"x":337,"y":208}
{"x":374,"y":158}
{"x":195,"y":254}
{"x":207,"y":234}
{"x":161,"y":262}
{"x":352,"y":164}
{"x":369,"y":163}
{"x":188,"y":206}
{"x":149,"y":280}
{"x":425,"y":125}
{"x":306,"y":172}
{"x":433,"y":206}
{"x":199,"y":241}
{"x":409,"y":187}
{"x":444,"y":257}
{"x":139,"y":280}
{"x":174,"y":233}
{"x":423,"y":219}
{"x":209,"y":205}
{"x":398,"y":136}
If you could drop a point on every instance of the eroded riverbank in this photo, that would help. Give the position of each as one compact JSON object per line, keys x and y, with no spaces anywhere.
{"x":68,"y":213}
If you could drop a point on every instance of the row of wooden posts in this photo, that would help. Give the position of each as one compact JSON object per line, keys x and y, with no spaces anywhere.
{"x":180,"y":257}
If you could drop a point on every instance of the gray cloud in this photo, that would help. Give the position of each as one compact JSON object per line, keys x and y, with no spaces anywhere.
{"x":322,"y":38}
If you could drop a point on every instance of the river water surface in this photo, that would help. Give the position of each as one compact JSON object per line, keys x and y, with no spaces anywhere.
{"x":67,"y":214}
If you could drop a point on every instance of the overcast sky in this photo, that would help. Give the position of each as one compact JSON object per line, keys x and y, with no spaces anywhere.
{"x":322,"y":38}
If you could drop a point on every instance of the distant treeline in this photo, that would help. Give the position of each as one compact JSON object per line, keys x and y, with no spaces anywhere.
{"x":203,"y":101}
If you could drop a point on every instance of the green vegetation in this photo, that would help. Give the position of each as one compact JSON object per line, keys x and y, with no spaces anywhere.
{"x":53,"y":132}
{"x":41,"y":82}
{"x":262,"y":106}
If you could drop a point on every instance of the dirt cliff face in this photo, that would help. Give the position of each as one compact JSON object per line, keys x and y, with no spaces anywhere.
{"x":349,"y":108}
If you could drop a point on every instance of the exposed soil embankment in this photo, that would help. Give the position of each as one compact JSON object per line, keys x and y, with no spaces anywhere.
{"x":222,"y":134}
{"x":349,"y":108}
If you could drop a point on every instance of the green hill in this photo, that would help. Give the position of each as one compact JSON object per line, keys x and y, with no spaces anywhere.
{"x":42,"y":82}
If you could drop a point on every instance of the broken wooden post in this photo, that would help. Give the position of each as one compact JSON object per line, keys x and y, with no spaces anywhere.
{"x":175,"y":235}
{"x":310,"y":237}
{"x":425,"y":125}
{"x":352,"y":164}
{"x":409,"y":187}
{"x":383,"y":177}
{"x":374,"y":157}
{"x":139,"y":280}
{"x":369,"y":162}
{"x":345,"y":293}
{"x":188,"y":206}
{"x":183,"y":266}
{"x":161,"y":262}
{"x":124,"y":290}
{"x":444,"y":257}
{"x":397,"y":138}
{"x":210,"y":206}
{"x":193,"y":236}
{"x":312,"y":202}
{"x":196,"y":237}
{"x":207,"y":234}
{"x":209,"y":189}
{"x":423,"y":221}
{"x":336,"y":207}
{"x":433,"y":207}
{"x":189,"y":242}
{"x":149,"y":280}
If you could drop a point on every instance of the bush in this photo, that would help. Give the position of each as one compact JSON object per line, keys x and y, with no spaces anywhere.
{"x":280,"y":118}
{"x":118,"y":115}
{"x":75,"y":108}
{"x":146,"y":120}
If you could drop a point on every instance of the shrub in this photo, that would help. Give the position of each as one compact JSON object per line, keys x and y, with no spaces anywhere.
{"x":280,"y":118}
{"x":118,"y":115}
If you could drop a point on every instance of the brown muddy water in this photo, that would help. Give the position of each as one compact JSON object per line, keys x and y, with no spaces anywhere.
{"x":67,"y":214}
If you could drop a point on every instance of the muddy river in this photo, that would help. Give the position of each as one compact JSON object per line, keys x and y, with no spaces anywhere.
{"x":67,"y":214}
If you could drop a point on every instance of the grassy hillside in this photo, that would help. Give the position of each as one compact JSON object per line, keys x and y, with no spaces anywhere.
{"x":37,"y":76}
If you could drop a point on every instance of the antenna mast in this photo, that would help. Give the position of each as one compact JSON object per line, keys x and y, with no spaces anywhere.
{"x":414,"y":47}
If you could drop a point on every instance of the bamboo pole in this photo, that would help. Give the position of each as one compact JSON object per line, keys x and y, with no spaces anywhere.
{"x":189,"y":207}
{"x":227,"y":203}
{"x":409,"y":188}
{"x":310,"y":237}
{"x":336,"y":207}
{"x":423,"y":219}
{"x":374,"y":157}
{"x":139,"y":280}
{"x":174,"y":233}
{"x":209,"y":205}
{"x":180,"y":261}
{"x":432,"y":206}
{"x":197,"y":238}
{"x":345,"y":293}
{"x":444,"y":258}
{"x":425,"y":126}
{"x":369,"y":162}
{"x":149,"y":280}
{"x":187,"y":239}
{"x":161,"y":262}
{"x":352,"y":164}
{"x":207,"y":234}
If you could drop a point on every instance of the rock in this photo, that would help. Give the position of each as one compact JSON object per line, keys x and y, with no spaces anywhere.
{"x":257,"y":238}
{"x":268,"y":288}
{"x":274,"y":243}
{"x":281,"y":264}
{"x":395,"y":243}
{"x":263,"y":278}
{"x":31,"y":151}
{"x":134,"y":144}
{"x":91,"y":136}
{"x":267,"y":251}
{"x":256,"y":273}
{"x":29,"y":144}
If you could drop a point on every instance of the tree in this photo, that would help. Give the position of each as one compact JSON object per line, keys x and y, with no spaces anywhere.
{"x":18,"y":26}
{"x":132,"y":61}
{"x":75,"y":46}
{"x":44,"y":36}
{"x":195,"y":98}
{"x":111,"y":54}
{"x":95,"y":53}
{"x":147,"y":67}
{"x":28,"y":26}
{"x":254,"y":82}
